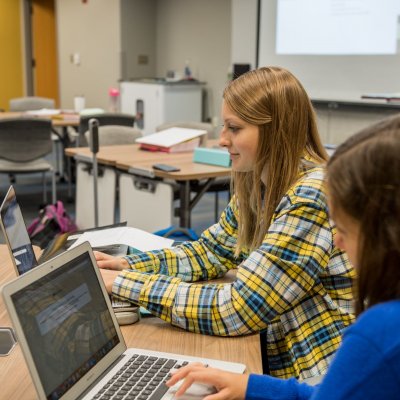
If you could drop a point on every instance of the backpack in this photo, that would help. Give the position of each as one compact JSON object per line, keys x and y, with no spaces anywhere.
{"x":52,"y":220}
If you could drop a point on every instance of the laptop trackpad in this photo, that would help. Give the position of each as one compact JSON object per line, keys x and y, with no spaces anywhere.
{"x":196,"y":391}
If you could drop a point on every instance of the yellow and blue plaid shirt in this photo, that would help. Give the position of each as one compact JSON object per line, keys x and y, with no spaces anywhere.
{"x":297,"y":286}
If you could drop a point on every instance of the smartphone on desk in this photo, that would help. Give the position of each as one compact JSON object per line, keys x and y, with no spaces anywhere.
{"x":166,"y":168}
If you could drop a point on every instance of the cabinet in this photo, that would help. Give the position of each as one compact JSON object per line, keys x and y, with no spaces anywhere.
{"x":156,"y":101}
{"x":339,"y":119}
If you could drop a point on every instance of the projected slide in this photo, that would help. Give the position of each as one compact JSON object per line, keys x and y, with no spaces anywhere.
{"x":337,"y":27}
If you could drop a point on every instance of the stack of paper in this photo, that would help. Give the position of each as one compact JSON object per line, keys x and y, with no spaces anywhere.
{"x":172,"y":140}
{"x":43,"y":112}
{"x":140,"y":240}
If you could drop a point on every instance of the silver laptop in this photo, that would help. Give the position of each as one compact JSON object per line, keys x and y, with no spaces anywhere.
{"x":71,"y":340}
{"x":19,"y":242}
{"x":24,"y":259}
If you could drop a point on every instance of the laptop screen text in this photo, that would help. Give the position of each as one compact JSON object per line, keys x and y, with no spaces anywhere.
{"x":67,"y":324}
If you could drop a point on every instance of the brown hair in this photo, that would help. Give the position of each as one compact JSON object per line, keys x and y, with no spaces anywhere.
{"x":274,"y":100}
{"x":363,"y":178}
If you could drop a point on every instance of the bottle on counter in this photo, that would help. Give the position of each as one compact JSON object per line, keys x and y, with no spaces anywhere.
{"x":113,"y":94}
{"x":187,"y":70}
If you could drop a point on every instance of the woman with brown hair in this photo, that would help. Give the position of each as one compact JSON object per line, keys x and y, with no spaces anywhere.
{"x":291,"y":282}
{"x":363,"y":179}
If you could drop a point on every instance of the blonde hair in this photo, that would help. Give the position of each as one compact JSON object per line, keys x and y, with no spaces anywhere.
{"x":274,"y":100}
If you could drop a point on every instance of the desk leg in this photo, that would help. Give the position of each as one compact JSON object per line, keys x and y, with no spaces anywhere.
{"x":184,"y":212}
{"x":186,"y":203}
{"x":68,"y":164}
{"x":69,"y":179}
{"x":64,"y":141}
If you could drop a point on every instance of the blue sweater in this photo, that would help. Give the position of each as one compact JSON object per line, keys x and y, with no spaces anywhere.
{"x":367,"y":365}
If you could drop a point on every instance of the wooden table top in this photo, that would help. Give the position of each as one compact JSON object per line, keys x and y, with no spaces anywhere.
{"x":149,"y":333}
{"x":124,"y":157}
{"x":59,"y":120}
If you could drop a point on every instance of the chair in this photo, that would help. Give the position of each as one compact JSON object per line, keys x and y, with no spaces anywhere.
{"x":104,"y":119}
{"x":37,"y":103}
{"x":115,"y":134}
{"x":23,"y":144}
{"x":31,"y":103}
{"x":221,"y":184}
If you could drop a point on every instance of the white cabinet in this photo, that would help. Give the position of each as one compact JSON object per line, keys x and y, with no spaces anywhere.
{"x":339,"y":119}
{"x":156,"y":101}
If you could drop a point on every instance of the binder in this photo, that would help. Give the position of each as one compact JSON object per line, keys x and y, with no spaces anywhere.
{"x":173,"y":140}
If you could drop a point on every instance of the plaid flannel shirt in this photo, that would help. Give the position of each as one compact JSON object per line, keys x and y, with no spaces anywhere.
{"x":297,"y":286}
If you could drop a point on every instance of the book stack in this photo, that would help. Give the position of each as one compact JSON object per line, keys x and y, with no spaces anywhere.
{"x":173,"y":140}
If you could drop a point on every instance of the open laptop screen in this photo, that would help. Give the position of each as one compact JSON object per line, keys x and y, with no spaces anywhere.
{"x":16,"y":234}
{"x":67,"y":324}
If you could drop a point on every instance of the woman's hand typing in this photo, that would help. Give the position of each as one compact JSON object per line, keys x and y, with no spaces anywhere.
{"x":229,"y":386}
{"x":106,"y":261}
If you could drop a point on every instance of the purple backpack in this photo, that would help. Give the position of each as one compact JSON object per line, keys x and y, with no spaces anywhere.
{"x":52,"y":220}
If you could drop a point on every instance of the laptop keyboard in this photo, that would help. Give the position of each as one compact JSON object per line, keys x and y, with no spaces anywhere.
{"x":115,"y":303}
{"x":141,"y":378}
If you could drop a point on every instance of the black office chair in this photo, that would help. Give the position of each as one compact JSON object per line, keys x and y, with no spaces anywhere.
{"x":104,"y":119}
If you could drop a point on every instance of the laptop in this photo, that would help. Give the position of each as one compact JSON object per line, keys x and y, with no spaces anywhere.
{"x":24,"y":259}
{"x":71,"y":340}
{"x":19,"y":242}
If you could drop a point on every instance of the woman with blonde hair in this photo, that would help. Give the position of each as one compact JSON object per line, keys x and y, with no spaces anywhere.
{"x":363,"y":179}
{"x":291,"y":282}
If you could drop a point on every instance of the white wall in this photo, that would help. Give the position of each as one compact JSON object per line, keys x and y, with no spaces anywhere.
{"x":92,"y":30}
{"x":244,"y":32}
{"x":198,"y":31}
{"x":138,"y":38}
{"x":109,"y":35}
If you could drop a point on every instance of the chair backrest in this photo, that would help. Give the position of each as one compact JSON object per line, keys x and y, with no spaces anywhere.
{"x":31,"y":103}
{"x":115,"y":134}
{"x":23,"y":140}
{"x":104,"y":119}
{"x":190,"y":125}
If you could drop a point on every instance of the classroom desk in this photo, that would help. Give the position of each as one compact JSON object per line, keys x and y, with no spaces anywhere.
{"x":191,"y":177}
{"x":149,"y":333}
{"x":56,"y":121}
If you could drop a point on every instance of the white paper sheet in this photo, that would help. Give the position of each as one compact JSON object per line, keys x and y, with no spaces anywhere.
{"x":43,"y":111}
{"x":133,"y":237}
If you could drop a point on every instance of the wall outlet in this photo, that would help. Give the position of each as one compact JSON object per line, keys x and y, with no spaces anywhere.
{"x":143,"y":59}
{"x":75,"y":58}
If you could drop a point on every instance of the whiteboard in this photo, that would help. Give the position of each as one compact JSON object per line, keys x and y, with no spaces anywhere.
{"x":329,"y":76}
